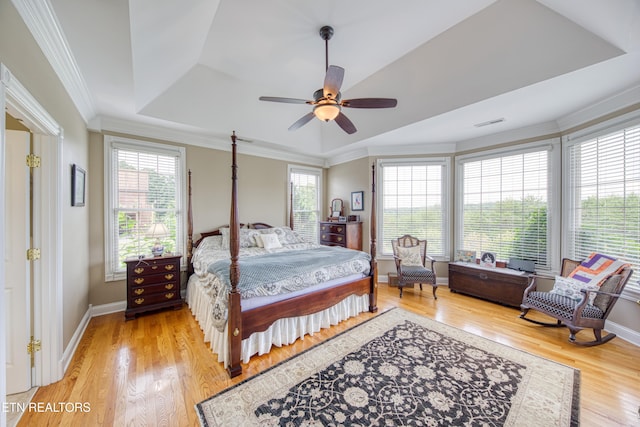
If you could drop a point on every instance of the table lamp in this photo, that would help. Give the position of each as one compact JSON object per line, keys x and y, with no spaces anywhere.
{"x":157,"y":231}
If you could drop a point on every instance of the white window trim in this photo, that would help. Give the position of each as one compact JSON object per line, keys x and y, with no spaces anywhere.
{"x":446,"y":200}
{"x":632,"y":290}
{"x":311,"y":171}
{"x":109,"y":193}
{"x":554,"y":197}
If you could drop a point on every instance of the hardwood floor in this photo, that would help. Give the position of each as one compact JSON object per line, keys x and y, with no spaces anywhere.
{"x":151,"y":371}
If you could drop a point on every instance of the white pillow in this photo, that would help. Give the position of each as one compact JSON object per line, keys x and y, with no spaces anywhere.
{"x":570,"y":288}
{"x":270,"y":241}
{"x":410,"y":256}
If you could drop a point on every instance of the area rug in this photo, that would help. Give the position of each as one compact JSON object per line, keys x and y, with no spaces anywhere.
{"x":400,"y":368}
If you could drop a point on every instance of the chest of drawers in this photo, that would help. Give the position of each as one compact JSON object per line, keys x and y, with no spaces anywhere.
{"x":152,"y":284}
{"x":345,"y":234}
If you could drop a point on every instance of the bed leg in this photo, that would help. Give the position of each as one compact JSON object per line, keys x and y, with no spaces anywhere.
{"x":373,"y":291}
{"x":235,"y":335}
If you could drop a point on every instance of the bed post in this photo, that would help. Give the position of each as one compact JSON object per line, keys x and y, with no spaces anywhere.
{"x":373,"y":292}
{"x":189,"y":228}
{"x":234,"y":323}
{"x":291,"y":205}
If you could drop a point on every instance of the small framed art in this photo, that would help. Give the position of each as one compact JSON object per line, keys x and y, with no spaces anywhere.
{"x":465,"y":256}
{"x":357,"y":200}
{"x":78,"y":184}
{"x":488,"y":259}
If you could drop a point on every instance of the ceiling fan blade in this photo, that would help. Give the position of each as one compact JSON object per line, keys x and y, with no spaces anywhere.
{"x":333,"y":81}
{"x":346,"y":124}
{"x":370,"y":103}
{"x":285,"y":100}
{"x":302,"y":121}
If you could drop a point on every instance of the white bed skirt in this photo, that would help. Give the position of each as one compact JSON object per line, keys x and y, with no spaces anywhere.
{"x":281,"y":332}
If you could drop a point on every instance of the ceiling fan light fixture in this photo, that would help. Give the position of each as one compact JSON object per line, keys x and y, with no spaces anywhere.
{"x":326,"y":112}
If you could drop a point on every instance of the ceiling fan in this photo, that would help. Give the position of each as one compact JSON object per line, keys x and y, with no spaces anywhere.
{"x":328,"y":101}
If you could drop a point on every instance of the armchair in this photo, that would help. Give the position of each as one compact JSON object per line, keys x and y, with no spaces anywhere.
{"x":577,"y":314}
{"x":410,"y":254}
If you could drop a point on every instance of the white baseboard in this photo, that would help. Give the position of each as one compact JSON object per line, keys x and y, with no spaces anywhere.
{"x":75,"y":340}
{"x":114,"y":307}
{"x":623,"y":332}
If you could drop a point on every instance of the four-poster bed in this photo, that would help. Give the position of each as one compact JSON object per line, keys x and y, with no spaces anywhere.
{"x":239,"y":327}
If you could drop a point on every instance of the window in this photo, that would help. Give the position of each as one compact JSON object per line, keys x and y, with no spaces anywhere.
{"x":504,"y":203}
{"x":143,"y":192}
{"x":413,"y":201}
{"x":603,"y":196}
{"x":305,"y":196}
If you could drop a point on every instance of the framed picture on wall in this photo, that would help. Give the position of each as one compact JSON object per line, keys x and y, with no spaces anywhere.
{"x":357,"y":200}
{"x":78,"y":184}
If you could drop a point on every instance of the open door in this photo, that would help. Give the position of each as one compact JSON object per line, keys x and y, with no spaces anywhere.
{"x":17,"y":291}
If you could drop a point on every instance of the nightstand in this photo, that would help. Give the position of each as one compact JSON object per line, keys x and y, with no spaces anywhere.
{"x":152,"y":284}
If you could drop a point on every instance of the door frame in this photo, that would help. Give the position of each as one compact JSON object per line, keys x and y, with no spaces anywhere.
{"x":47,"y":234}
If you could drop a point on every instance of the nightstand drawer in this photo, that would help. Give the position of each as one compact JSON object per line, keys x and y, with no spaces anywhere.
{"x":143,"y":267}
{"x":145,"y":300}
{"x":154,"y":278}
{"x":159,"y":288}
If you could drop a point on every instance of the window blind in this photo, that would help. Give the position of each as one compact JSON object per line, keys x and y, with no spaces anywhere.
{"x":145,"y":192}
{"x":305,"y":187}
{"x":505,"y":205}
{"x":604,"y":197}
{"x":412,"y":202}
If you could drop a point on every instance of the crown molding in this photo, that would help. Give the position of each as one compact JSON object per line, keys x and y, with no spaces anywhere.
{"x":41,"y":21}
{"x":537,"y":131}
{"x":111,"y":125}
{"x":600,"y":109}
{"x":347,"y":156}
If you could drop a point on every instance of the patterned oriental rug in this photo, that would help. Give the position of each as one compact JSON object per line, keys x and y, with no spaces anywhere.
{"x":400,"y":368}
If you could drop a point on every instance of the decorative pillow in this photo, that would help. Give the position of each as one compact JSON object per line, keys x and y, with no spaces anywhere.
{"x":410,"y":256}
{"x":285,"y":234}
{"x":570,"y":288}
{"x":247,"y":237}
{"x":211,"y":242}
{"x":270,"y":241}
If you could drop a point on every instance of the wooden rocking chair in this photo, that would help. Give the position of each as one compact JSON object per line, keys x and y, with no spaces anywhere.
{"x":577,"y":315}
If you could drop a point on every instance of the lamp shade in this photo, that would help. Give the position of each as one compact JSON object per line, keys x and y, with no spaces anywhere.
{"x":158,"y":230}
{"x":326,"y":112}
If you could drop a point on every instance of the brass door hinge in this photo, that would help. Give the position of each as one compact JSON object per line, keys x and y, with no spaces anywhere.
{"x":33,"y":254}
{"x":33,"y":346}
{"x":33,"y":161}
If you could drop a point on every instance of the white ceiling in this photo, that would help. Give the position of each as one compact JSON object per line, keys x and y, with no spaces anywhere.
{"x":199,"y":66}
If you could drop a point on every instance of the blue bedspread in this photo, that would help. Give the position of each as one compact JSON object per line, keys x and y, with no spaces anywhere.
{"x":281,"y":272}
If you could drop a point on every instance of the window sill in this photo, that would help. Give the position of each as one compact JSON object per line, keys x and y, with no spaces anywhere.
{"x":116,"y":277}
